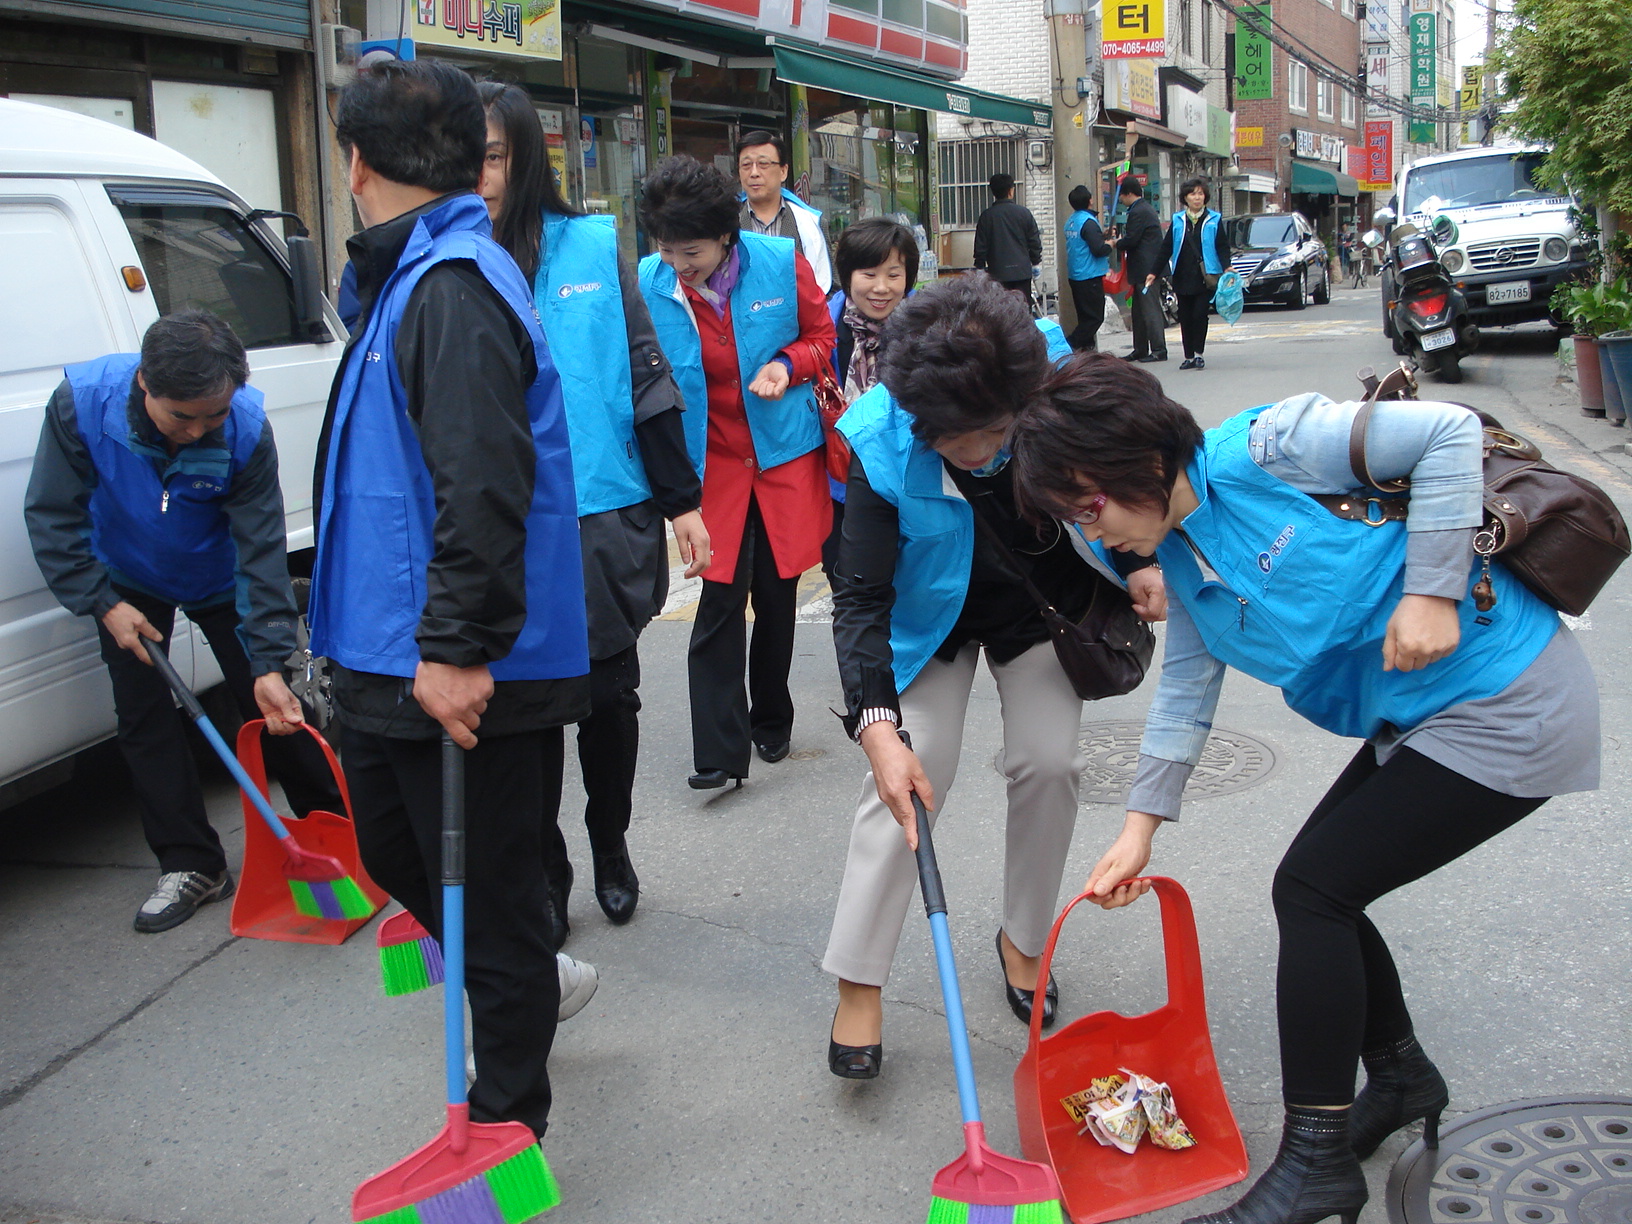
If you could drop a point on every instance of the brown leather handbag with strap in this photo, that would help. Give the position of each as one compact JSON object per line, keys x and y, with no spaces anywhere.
{"x":1558,"y":533}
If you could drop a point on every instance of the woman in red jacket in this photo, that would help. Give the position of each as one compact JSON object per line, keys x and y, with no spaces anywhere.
{"x":745,"y":326}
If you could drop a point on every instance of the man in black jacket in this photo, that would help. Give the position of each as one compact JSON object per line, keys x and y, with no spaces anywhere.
{"x":1141,"y":243}
{"x":1007,"y":244}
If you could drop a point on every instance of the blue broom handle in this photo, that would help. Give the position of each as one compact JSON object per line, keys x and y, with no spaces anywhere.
{"x":229,"y":758}
{"x":453,"y":917}
{"x":929,"y":879}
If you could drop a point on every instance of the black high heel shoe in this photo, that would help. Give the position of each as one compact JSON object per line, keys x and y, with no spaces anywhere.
{"x":1402,"y":1086}
{"x":713,"y":779}
{"x":1019,"y":999}
{"x":853,"y":1062}
{"x":1315,"y":1175}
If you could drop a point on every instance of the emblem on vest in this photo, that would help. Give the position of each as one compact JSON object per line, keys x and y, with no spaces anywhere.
{"x":766,"y":303}
{"x":371,"y":356}
{"x":1266,"y":560}
{"x":568,"y":290}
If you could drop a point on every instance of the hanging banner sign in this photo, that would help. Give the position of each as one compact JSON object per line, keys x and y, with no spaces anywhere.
{"x":1133,"y":29}
{"x":1255,"y":60}
{"x":508,"y":27}
{"x":1379,"y":175}
{"x":1468,"y":97}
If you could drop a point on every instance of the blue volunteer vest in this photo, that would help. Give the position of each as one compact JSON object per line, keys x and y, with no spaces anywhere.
{"x":375,"y":523}
{"x":157,"y":520}
{"x":1081,"y":263}
{"x":764,"y":318}
{"x":580,"y":304}
{"x":1209,"y":242}
{"x":1302,"y":599}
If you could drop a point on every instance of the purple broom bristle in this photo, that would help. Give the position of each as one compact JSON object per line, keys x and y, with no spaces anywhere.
{"x":470,"y":1202}
{"x":983,"y":1213}
{"x":432,"y":952}
{"x":327,"y":904}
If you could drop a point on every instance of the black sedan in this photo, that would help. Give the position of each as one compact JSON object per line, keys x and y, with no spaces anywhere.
{"x":1280,"y":258}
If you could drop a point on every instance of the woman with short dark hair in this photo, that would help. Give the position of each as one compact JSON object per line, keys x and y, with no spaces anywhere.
{"x":1196,"y":250}
{"x":1473,"y":712}
{"x":920,"y":593}
{"x":746,"y":326}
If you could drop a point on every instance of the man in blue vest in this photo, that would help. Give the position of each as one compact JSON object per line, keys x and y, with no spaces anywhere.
{"x":447,"y":588}
{"x":1087,"y":259}
{"x":155,"y":487}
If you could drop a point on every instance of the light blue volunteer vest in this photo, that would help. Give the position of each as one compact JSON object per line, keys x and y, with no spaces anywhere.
{"x":580,"y":303}
{"x":157,"y":520}
{"x":764,"y":318}
{"x":1081,"y":263}
{"x":375,"y":524}
{"x":1209,"y":242}
{"x":1302,"y":599}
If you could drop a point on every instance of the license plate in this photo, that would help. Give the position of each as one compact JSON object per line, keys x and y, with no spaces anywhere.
{"x":1438,"y":340}
{"x":1495,"y":295}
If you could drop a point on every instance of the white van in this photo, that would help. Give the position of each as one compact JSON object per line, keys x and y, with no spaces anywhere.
{"x":1515,"y":241}
{"x":101,"y":232}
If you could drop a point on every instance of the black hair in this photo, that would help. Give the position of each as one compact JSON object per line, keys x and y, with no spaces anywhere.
{"x":684,"y":200}
{"x":1099,"y":424}
{"x":1080,"y":198}
{"x":866,"y":244}
{"x":962,"y":355}
{"x":1189,"y":185}
{"x":1001,"y":185}
{"x":530,"y":188}
{"x":415,"y":122}
{"x":192,"y":355}
{"x":752,"y":140}
{"x":1130,"y":186}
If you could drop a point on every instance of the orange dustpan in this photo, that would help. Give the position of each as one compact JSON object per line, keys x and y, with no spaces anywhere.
{"x":263,"y":907}
{"x":1171,"y":1044}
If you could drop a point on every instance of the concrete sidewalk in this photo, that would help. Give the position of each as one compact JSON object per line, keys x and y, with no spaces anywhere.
{"x":196,"y":1077}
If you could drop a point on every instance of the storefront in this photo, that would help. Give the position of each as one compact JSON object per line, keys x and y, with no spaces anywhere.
{"x":1325,"y":195}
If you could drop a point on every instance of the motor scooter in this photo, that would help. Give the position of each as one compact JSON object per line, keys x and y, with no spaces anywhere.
{"x":1427,"y":315}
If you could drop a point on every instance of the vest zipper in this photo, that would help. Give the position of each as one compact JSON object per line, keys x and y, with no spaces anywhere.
{"x":1243,"y":604}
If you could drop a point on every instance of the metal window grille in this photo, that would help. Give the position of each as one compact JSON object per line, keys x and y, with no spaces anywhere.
{"x":965,"y":167}
{"x":1187,"y":25}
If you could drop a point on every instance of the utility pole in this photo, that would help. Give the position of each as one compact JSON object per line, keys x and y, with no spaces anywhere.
{"x":1075,"y":159}
{"x":1488,"y":109}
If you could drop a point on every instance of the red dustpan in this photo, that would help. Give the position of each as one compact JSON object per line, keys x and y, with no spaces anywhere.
{"x":263,"y":907}
{"x":1169,"y":1044}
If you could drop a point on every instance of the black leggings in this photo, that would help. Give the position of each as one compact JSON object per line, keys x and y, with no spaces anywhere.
{"x":1378,"y":827}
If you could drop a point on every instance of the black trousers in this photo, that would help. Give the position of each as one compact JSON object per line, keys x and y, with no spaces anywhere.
{"x":1193,"y":321}
{"x":1149,"y":324}
{"x":608,"y":749}
{"x":396,"y":791}
{"x":1377,"y":829}
{"x":153,"y":740}
{"x":726,"y":721}
{"x":1088,"y":296}
{"x":830,"y":546}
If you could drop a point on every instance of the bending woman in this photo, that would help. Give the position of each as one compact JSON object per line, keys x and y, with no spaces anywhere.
{"x":921,"y":590}
{"x":1471,"y":719}
{"x":743,"y":321}
{"x":629,"y":463}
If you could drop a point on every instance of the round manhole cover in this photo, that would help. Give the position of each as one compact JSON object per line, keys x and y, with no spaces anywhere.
{"x":1528,"y":1162}
{"x":1230,"y":762}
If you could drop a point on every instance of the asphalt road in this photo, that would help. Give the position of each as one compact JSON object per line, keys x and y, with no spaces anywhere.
{"x":193,"y":1076}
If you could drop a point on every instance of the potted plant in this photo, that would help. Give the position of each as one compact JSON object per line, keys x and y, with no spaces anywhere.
{"x":1594,"y":308}
{"x":1615,"y":342}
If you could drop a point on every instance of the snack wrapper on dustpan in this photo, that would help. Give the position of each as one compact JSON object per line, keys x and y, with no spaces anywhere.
{"x":1119,"y":1111}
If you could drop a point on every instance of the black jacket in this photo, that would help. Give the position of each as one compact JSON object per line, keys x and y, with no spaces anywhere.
{"x":1007,"y":243}
{"x":1141,"y":242}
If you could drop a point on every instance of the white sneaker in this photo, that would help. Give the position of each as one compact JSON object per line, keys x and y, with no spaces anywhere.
{"x":579,"y":982}
{"x":177,"y":897}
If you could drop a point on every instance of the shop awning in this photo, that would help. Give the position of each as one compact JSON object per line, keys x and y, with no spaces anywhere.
{"x":865,"y":79}
{"x":1317,"y":180}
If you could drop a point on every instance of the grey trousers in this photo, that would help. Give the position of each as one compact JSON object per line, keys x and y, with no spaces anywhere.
{"x":1043,"y":762}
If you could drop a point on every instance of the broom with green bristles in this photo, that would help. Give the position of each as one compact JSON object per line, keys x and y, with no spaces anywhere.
{"x":318,"y":883}
{"x":410,"y":958}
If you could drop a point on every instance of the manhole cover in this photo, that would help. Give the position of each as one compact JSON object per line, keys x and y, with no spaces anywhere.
{"x":806,"y":754}
{"x":1230,"y":762}
{"x":1526,"y":1162}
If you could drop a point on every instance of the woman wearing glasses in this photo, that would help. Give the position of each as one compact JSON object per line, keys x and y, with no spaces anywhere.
{"x":1473,"y":712}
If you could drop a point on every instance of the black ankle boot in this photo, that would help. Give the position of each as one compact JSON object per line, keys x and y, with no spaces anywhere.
{"x":1315,"y":1175}
{"x":1402,"y":1086}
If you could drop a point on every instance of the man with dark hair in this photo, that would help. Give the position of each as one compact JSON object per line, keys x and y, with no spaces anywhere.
{"x":768,"y":207}
{"x":448,"y":589}
{"x":1007,"y":242}
{"x":1087,"y":259}
{"x":1141,"y":243}
{"x":155,"y":487}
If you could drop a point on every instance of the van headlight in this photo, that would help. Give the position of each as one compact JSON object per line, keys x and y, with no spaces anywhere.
{"x":1555,"y":249}
{"x":1453,"y":261}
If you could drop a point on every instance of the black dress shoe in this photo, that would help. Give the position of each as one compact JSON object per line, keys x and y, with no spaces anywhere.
{"x":1020,"y":1000}
{"x":712,"y":779}
{"x":1189,"y":363}
{"x":1134,"y":356}
{"x":853,"y":1062}
{"x":1201,"y":363}
{"x":1149,"y":357}
{"x":772,"y":753}
{"x":617,"y":887}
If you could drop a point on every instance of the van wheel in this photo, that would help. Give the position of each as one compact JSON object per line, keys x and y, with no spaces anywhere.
{"x":1299,"y":297}
{"x":1323,"y":291}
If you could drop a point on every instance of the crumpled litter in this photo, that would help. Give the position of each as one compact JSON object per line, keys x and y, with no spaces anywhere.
{"x":1119,"y":1110}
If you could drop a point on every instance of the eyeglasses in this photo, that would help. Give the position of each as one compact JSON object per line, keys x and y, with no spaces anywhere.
{"x":1088,"y":513}
{"x":761,"y":164}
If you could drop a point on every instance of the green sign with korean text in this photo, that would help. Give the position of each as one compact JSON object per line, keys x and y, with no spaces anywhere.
{"x":1423,"y":85}
{"x":1254,"y":62}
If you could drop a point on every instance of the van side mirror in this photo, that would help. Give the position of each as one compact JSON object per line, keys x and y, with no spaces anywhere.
{"x":308,"y":285}
{"x":1384,"y":217}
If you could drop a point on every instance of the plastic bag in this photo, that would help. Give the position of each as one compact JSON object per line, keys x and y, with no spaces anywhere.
{"x":1229,"y":299}
{"x":1116,"y":280}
